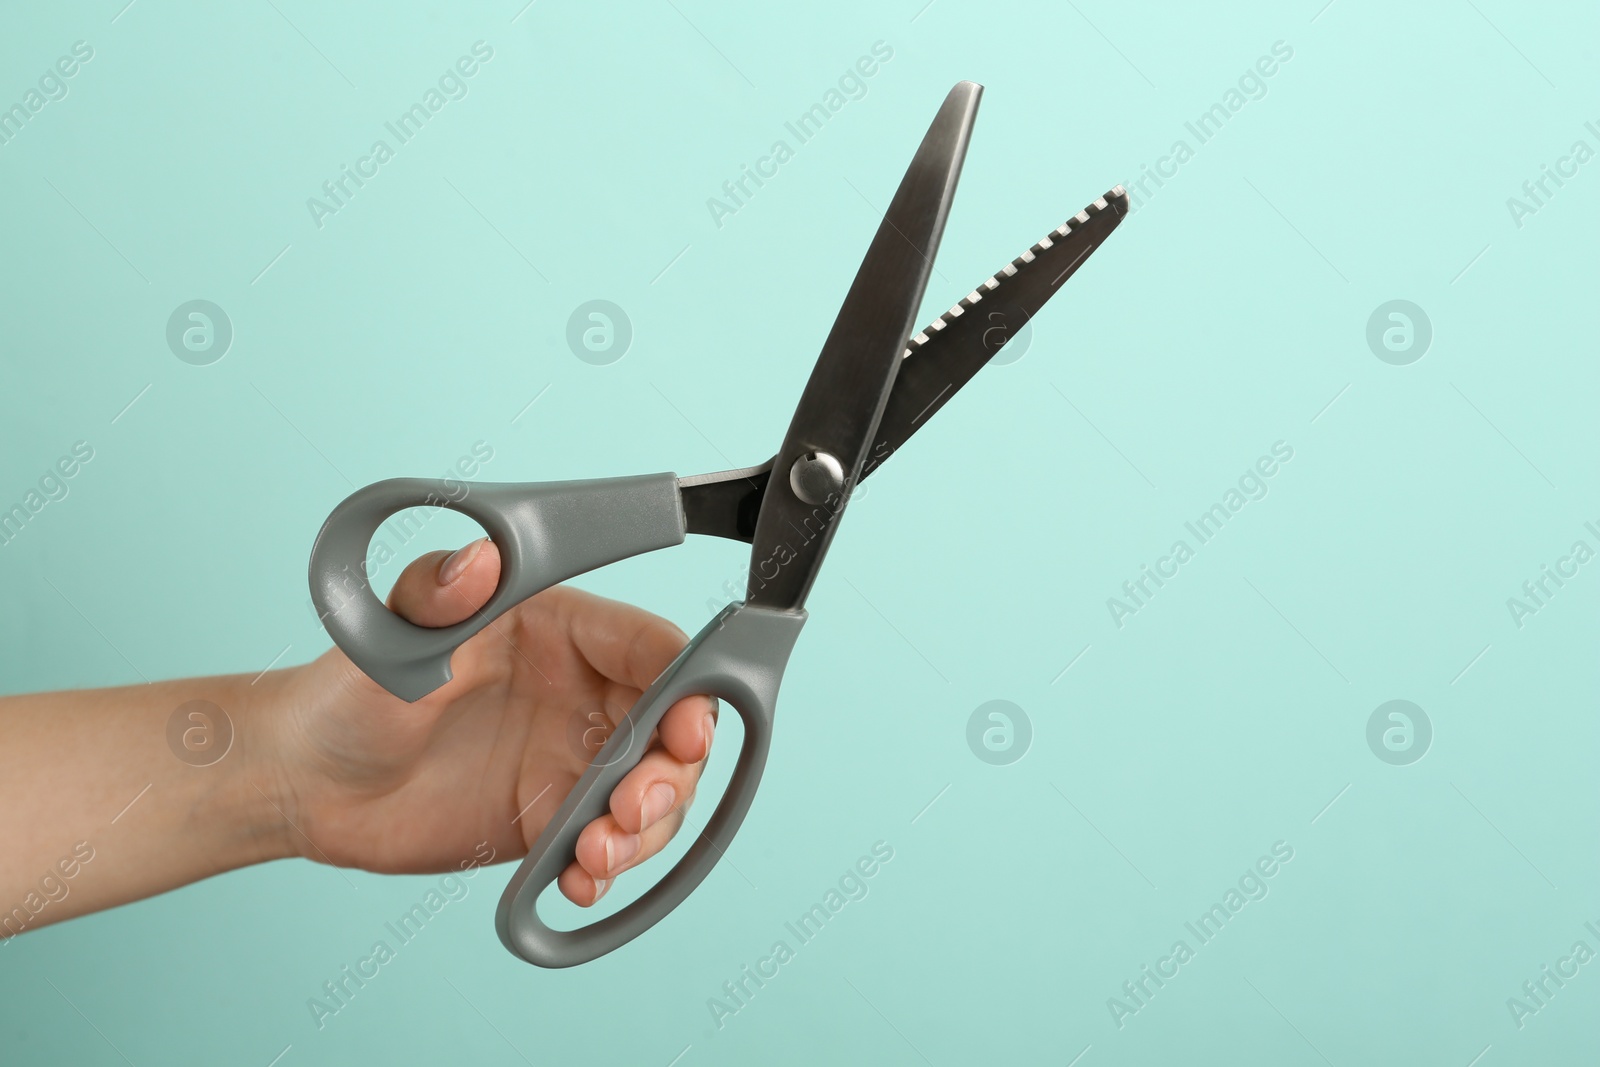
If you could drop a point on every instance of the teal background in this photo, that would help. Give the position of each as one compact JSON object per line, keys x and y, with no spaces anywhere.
{"x":1228,"y":313}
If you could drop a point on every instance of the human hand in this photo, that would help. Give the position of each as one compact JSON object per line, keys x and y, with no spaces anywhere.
{"x":368,"y":780}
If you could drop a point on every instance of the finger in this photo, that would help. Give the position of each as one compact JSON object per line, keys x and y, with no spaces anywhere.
{"x":603,"y":847}
{"x":631,"y":647}
{"x":648,"y":808}
{"x":580,"y":887}
{"x":444,"y":588}
{"x":625,"y":644}
{"x":649,"y":792}
{"x":687,"y":728}
{"x":605,"y":850}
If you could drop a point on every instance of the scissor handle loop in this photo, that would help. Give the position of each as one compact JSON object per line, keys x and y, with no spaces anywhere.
{"x":739,"y":657}
{"x":546,"y":532}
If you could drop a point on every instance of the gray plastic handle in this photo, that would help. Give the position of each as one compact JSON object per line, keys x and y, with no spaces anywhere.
{"x":739,"y":657}
{"x":546,"y":532}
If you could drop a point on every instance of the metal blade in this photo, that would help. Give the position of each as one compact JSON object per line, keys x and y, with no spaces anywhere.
{"x":724,"y":504}
{"x":956,"y":345}
{"x":836,"y":421}
{"x":937,"y":363}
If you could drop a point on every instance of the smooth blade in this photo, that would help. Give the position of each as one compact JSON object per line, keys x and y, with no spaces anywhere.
{"x":937,"y":363}
{"x":839,"y":411}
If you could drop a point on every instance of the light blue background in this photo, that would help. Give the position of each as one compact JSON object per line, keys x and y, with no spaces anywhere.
{"x":1228,"y":313}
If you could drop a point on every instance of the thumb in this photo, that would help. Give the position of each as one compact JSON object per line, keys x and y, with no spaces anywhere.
{"x":444,"y":588}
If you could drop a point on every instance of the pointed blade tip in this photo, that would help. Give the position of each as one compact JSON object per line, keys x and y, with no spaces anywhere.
{"x":966,"y":94}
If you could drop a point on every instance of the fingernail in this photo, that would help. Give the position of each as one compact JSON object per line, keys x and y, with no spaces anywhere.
{"x":658,"y":801}
{"x":459,"y":561}
{"x":600,"y":885}
{"x":620,"y":848}
{"x":710,"y":729}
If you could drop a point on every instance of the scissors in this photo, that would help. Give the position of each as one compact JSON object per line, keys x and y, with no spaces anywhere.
{"x":873,"y":386}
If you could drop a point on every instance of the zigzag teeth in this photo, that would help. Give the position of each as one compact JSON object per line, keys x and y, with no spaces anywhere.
{"x":1011,"y":269}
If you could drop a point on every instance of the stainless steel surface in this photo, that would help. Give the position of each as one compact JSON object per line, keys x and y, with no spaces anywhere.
{"x":956,"y":345}
{"x":817,"y":478}
{"x":839,"y":411}
{"x":724,"y":504}
{"x":938,"y":362}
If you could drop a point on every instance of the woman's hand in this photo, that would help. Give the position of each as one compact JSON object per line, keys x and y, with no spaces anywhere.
{"x":106,"y":801}
{"x":365,"y":779}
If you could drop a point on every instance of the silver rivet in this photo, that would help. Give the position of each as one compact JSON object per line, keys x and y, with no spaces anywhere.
{"x":815,"y":477}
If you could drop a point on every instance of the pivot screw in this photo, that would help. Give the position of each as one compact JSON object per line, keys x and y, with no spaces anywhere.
{"x":815,"y":477}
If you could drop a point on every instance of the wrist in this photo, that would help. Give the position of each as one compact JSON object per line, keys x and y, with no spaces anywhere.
{"x":256,"y":783}
{"x":287,"y":781}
